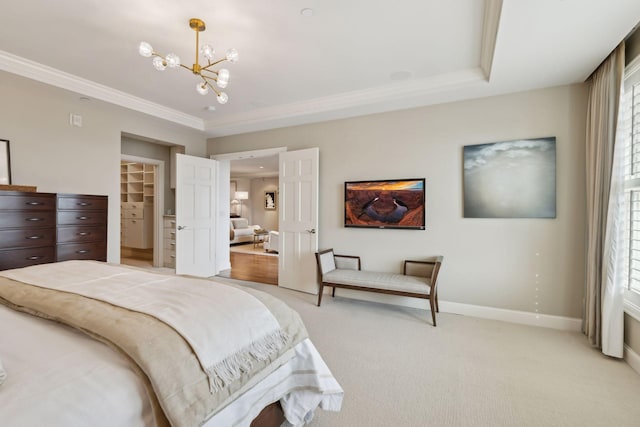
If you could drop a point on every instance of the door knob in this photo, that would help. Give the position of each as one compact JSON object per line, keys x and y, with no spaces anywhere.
{"x":182,"y":227}
{"x":312,"y":231}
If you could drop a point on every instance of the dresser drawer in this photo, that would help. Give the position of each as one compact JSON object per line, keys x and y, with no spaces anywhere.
{"x":89,"y":250}
{"x":170,"y":244}
{"x":26,"y":201}
{"x":137,"y":213}
{"x":27,"y":219}
{"x":17,"y":258}
{"x":82,"y":218}
{"x":79,"y":233}
{"x":27,"y":237}
{"x":169,"y":259}
{"x":77,"y":202}
{"x":132,"y":205}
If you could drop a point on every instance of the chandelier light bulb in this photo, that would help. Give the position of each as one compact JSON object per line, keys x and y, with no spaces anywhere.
{"x":232,"y":55}
{"x":145,"y":49}
{"x":207,"y":51}
{"x":173,"y":60}
{"x":223,"y":98}
{"x":223,"y":78}
{"x":202,"y":88}
{"x":159,"y":63}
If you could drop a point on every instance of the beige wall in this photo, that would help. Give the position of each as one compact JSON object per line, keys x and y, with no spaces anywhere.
{"x":518,"y":264}
{"x":56,"y":157}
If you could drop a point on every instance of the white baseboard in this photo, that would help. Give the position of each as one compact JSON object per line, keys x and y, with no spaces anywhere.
{"x":514,"y":316}
{"x":632,"y":358}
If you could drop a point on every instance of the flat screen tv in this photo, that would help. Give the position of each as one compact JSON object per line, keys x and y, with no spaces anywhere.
{"x":394,"y":203}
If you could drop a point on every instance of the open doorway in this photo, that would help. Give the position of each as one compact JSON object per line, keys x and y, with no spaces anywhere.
{"x":141,"y":205}
{"x":253,"y":220}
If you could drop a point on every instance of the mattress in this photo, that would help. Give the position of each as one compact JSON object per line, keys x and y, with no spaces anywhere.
{"x":61,"y":375}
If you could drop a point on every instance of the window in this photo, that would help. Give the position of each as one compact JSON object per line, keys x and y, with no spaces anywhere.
{"x":629,"y":131}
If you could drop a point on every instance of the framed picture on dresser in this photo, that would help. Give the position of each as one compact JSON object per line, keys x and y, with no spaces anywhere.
{"x":5,"y":162}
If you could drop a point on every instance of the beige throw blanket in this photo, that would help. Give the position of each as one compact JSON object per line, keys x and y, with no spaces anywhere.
{"x":166,"y":358}
{"x":187,"y":305}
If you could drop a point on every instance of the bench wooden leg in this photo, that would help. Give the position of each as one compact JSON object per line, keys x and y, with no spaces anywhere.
{"x":333,"y":293}
{"x":437,"y":308}
{"x":433,"y":310}
{"x":320,"y":293}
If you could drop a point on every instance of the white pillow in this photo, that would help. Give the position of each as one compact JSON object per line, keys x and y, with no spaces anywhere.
{"x":3,"y":374}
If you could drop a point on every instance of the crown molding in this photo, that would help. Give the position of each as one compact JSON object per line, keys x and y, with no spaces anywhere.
{"x":490,"y":26}
{"x":347,"y":100}
{"x":54,"y":77}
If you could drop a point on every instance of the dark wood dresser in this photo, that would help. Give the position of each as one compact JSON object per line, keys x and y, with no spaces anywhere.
{"x":37,"y":228}
{"x":81,"y":227}
{"x":27,"y":229}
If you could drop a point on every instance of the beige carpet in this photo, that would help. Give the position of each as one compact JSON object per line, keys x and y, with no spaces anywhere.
{"x":248,"y":248}
{"x":398,"y":370}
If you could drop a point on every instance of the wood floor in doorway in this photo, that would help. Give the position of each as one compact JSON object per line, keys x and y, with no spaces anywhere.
{"x":254,"y":268}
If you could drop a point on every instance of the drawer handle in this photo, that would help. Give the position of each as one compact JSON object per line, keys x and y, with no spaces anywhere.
{"x":83,"y":233}
{"x":33,"y":237}
{"x":133,"y":214}
{"x":172,"y":256}
{"x":83,"y":251}
{"x":172,"y":243}
{"x":35,"y":257}
{"x":82,"y":218}
{"x":35,"y":219}
{"x":83,"y":204}
{"x":34,"y":203}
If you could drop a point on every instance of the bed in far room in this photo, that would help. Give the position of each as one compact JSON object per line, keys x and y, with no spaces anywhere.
{"x":137,"y":348}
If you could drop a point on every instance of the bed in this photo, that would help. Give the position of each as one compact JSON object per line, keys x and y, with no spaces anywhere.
{"x":137,"y":348}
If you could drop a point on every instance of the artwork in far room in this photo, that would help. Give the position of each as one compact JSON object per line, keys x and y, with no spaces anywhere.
{"x":511,"y":179}
{"x":270,"y":200}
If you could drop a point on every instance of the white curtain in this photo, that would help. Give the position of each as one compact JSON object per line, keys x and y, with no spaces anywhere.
{"x":614,"y":274}
{"x":603,"y":322}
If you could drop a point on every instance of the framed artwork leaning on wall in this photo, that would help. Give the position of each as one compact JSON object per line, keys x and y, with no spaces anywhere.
{"x":5,"y":162}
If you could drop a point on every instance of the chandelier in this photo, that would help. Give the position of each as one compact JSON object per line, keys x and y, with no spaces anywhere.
{"x":206,"y":72}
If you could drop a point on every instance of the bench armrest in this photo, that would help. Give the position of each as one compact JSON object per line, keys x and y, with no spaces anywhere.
{"x":347,"y":262}
{"x":420,"y":270}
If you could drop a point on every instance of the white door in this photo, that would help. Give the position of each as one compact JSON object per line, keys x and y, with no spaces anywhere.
{"x":196,"y":216}
{"x":298,"y":221}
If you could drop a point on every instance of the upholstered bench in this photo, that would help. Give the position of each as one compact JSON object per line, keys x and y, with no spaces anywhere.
{"x":419,"y":278}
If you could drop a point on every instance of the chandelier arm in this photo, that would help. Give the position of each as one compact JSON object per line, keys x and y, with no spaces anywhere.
{"x":214,"y":72}
{"x":187,"y":68}
{"x":214,"y":63}
{"x":208,"y":83}
{"x":214,"y":89}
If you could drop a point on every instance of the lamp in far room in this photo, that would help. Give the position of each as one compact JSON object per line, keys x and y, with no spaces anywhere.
{"x":241,"y":195}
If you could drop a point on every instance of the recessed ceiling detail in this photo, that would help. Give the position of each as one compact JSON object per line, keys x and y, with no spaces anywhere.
{"x":338,"y":64}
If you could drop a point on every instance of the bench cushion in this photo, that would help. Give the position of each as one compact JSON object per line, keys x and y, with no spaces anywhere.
{"x":378,"y":280}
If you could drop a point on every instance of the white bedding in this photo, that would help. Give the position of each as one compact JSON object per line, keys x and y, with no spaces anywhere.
{"x":250,"y":331}
{"x":60,"y":377}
